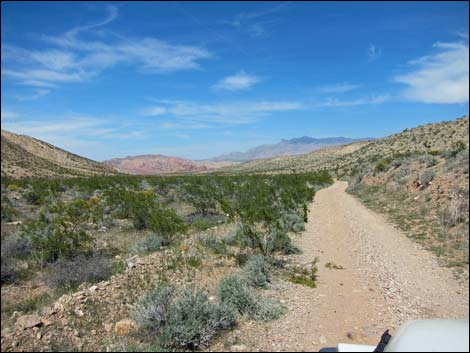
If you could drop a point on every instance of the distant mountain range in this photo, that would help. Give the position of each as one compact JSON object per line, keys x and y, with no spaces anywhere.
{"x":293,"y":146}
{"x":158,"y":164}
{"x":24,"y":156}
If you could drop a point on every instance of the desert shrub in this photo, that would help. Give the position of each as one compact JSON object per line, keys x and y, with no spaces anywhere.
{"x":8,"y":212}
{"x":70,"y":273}
{"x":458,"y":146}
{"x":456,"y":212}
{"x":428,"y":159}
{"x":152,"y":310}
{"x":214,"y":244}
{"x":283,"y":244}
{"x":13,"y":187}
{"x":203,"y":222}
{"x":305,"y":275}
{"x":182,"y":320}
{"x":52,"y":239}
{"x":426,"y":177}
{"x":269,"y":309}
{"x":231,"y":238}
{"x":382,"y":166}
{"x":236,"y":293}
{"x":16,"y":246}
{"x":293,"y":222}
{"x":149,"y":244}
{"x":257,"y":271}
{"x":82,"y":210}
{"x":37,"y":194}
{"x":200,"y":193}
{"x":165,"y":222}
{"x":10,"y":272}
{"x":194,"y":321}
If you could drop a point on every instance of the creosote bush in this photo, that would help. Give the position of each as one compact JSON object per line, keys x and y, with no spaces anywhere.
{"x":51,"y":240}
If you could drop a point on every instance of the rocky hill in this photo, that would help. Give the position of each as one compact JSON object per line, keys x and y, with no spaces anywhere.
{"x":293,"y":146}
{"x":150,"y":164}
{"x":346,"y":159}
{"x":24,"y":156}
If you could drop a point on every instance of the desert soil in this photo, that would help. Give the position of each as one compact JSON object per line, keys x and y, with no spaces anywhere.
{"x":387,"y":280}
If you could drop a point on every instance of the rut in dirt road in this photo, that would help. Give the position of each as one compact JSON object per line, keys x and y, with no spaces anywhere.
{"x":385,"y":280}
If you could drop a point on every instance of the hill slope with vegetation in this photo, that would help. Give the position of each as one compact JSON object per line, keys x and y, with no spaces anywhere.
{"x":24,"y":156}
{"x":419,"y":177}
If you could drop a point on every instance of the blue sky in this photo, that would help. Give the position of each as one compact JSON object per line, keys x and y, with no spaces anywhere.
{"x":198,"y":79}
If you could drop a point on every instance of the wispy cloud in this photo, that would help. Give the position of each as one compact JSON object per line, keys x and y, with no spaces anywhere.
{"x":38,"y":93}
{"x":366,"y":100}
{"x":5,"y":114}
{"x":70,"y":58}
{"x":373,"y":52}
{"x":255,"y":24}
{"x":236,"y":82}
{"x":220,"y":113}
{"x":339,"y":88}
{"x":442,"y":77}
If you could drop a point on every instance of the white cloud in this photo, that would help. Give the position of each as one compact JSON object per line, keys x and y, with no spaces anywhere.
{"x":70,"y":58}
{"x":442,"y":77}
{"x":373,"y":52}
{"x":367,"y":100}
{"x":339,"y":88}
{"x":5,"y":114}
{"x":238,"y":81}
{"x":221,"y":113}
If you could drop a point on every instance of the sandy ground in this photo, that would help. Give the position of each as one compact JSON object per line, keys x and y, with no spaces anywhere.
{"x":387,"y":280}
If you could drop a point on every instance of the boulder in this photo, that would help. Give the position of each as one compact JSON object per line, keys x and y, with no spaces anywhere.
{"x":28,"y":321}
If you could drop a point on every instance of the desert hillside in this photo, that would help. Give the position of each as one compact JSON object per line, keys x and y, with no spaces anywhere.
{"x":151,"y":164}
{"x":344,"y":160}
{"x":24,"y":156}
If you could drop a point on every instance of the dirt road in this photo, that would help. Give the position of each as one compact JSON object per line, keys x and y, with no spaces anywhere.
{"x":387,"y":279}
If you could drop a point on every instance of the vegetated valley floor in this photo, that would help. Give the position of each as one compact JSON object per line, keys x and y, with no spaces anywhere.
{"x":386,"y":280}
{"x":376,"y":279}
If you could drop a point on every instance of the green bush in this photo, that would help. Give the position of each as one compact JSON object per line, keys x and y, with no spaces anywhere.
{"x":165,"y":222}
{"x":8,"y":213}
{"x":34,"y":196}
{"x":51,"y":240}
{"x":382,"y":166}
